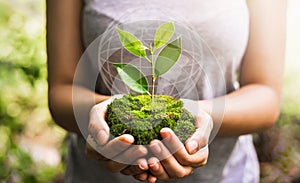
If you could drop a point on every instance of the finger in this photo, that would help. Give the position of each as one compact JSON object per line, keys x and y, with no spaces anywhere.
{"x":110,"y":150}
{"x":151,"y":179}
{"x":112,"y":166}
{"x":157,"y":170}
{"x":98,"y":128}
{"x":132,"y":154}
{"x":90,"y":150}
{"x":116,"y":146}
{"x":201,"y":156}
{"x":170,"y":164}
{"x":132,"y":170}
{"x":138,"y":169}
{"x":141,"y":177}
{"x":174,"y":145}
{"x":204,"y":122}
{"x":116,"y":166}
{"x":125,"y":159}
{"x":199,"y":139}
{"x":90,"y":141}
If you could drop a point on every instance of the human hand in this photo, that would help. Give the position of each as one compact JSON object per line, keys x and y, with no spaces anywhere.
{"x":118,"y":154}
{"x":172,"y":159}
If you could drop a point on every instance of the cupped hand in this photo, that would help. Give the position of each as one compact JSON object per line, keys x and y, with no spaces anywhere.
{"x":118,"y":154}
{"x":172,"y":159}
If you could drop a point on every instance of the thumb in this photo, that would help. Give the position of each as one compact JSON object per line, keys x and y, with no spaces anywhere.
{"x":200,"y":138}
{"x":98,"y":127}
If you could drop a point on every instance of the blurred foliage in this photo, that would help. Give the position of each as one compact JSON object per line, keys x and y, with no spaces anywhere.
{"x":23,"y":99}
{"x":279,"y":148}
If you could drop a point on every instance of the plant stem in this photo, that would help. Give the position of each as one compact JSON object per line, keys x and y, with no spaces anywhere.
{"x":153,"y":81}
{"x":149,"y":94}
{"x":153,"y":74}
{"x":148,"y":60}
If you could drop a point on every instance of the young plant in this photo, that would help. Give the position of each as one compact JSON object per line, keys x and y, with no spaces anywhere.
{"x":143,"y":116}
{"x":164,"y":61}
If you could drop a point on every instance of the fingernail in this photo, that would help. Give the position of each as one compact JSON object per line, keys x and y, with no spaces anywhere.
{"x":155,"y":147}
{"x":143,"y":151}
{"x":126,"y":139}
{"x":143,"y":165}
{"x":152,"y":179}
{"x":101,"y":137}
{"x":192,"y":146}
{"x":165,"y":134}
{"x":154,"y":166}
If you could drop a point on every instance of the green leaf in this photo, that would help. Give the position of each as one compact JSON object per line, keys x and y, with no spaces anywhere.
{"x":163,"y":34}
{"x":131,"y":43}
{"x":167,"y":57}
{"x":133,"y":78}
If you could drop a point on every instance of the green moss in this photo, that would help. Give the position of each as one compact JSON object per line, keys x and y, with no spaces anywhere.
{"x":183,"y":129}
{"x":143,"y":117}
{"x":118,"y":129}
{"x":142,"y":131}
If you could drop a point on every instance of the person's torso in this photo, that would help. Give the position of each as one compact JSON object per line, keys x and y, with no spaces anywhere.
{"x":215,"y":38}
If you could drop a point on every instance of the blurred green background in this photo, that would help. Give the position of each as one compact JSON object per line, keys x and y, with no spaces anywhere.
{"x":32,"y":147}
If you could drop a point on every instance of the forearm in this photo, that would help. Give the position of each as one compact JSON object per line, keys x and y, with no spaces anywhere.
{"x":61,"y":104}
{"x":252,"y":108}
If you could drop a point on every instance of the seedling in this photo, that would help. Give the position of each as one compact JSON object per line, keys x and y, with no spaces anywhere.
{"x":143,"y":116}
{"x":164,"y":61}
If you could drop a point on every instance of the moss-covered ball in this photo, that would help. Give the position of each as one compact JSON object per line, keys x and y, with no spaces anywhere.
{"x":143,"y":117}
